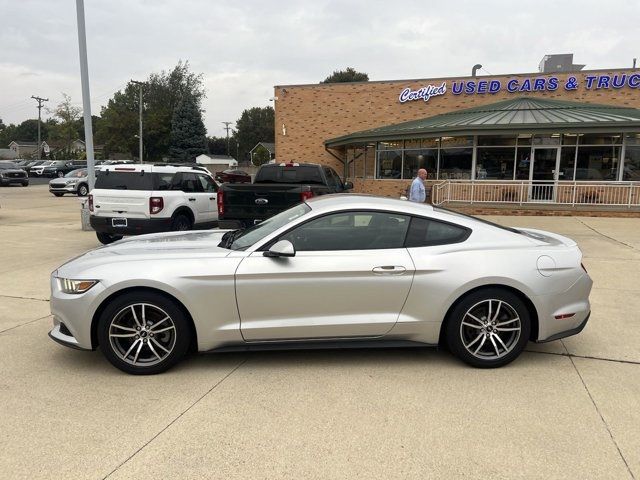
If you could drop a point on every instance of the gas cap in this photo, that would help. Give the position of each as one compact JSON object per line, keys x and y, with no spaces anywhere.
{"x":546,"y":265}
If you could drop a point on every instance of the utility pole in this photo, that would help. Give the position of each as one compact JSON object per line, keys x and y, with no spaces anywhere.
{"x":227,"y":127}
{"x":140,"y":134}
{"x":40,"y":101}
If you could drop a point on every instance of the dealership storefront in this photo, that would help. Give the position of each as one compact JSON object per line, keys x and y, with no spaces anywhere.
{"x":534,"y":136}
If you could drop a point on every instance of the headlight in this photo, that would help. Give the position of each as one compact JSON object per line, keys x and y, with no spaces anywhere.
{"x":67,"y":285}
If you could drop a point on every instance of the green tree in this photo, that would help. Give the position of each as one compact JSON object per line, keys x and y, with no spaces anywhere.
{"x":260,"y":156}
{"x":65,"y":131}
{"x":218,"y":145}
{"x":188,"y":135}
{"x":254,"y":125}
{"x":344,"y":76}
{"x":118,"y":123}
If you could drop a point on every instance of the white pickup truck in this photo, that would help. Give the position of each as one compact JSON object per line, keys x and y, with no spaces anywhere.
{"x":138,"y":199}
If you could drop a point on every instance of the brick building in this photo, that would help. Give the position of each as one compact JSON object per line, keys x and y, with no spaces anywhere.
{"x":533,"y":137}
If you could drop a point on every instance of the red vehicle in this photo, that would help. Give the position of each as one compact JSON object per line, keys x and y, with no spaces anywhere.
{"x":233,"y":176}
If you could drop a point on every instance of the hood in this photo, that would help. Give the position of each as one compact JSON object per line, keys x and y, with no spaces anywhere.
{"x":169,"y":245}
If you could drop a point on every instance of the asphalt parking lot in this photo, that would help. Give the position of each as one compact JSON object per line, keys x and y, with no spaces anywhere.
{"x":568,"y":409}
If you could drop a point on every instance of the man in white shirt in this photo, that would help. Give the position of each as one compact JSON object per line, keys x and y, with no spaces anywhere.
{"x":417,"y":192}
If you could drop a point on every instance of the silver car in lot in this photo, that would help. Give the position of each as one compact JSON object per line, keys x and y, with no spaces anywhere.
{"x":337,"y":270}
{"x":76,"y":182}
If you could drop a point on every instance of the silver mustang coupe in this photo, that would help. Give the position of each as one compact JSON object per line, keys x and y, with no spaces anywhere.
{"x":338,"y":270}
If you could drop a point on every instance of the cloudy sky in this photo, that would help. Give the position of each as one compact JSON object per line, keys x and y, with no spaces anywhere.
{"x":243,"y":48}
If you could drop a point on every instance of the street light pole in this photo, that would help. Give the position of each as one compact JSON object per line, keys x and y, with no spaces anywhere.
{"x":140,"y":134}
{"x":86,"y":98}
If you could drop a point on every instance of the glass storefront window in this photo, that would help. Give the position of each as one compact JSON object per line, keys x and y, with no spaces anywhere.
{"x":524,"y":139}
{"x":523,"y":162}
{"x":632,"y":138}
{"x":496,"y":140}
{"x":455,"y":163}
{"x":547,"y":139}
{"x":417,"y":159}
{"x":412,"y":143}
{"x":569,"y":139}
{"x":396,"y":145}
{"x":446,"y":142}
{"x":430,"y":142}
{"x":389,"y":164}
{"x":600,"y":139}
{"x":631,"y":169}
{"x":567,"y":163}
{"x":495,"y":163}
{"x":598,"y":163}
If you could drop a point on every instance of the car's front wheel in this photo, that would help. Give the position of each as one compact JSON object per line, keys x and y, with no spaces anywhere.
{"x":107,"y":238}
{"x":488,"y":328}
{"x":143,"y":333}
{"x":60,"y":174}
{"x":58,"y":194}
{"x":83,"y":190}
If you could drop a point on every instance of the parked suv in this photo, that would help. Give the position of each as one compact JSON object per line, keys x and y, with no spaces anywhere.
{"x":138,"y":199}
{"x":60,"y":168}
{"x":76,"y":181}
{"x":11,"y":173}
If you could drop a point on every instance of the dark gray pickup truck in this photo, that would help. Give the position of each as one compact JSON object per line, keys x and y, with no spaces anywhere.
{"x":276,"y":187}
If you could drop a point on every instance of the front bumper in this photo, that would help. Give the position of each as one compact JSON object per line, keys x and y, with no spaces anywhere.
{"x":10,"y":180}
{"x":135,"y":226}
{"x":60,"y":188}
{"x":63,"y":339}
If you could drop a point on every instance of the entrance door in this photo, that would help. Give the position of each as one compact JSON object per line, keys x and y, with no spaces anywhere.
{"x":544,"y":173}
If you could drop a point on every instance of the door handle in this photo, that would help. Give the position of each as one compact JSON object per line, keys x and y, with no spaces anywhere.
{"x":389,"y":270}
{"x":192,"y":199}
{"x":212,"y":198}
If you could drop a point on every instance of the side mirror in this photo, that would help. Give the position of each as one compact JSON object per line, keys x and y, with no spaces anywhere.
{"x":348,"y":185}
{"x":283,"y":248}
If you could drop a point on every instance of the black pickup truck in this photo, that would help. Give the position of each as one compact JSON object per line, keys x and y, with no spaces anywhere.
{"x":276,"y":187}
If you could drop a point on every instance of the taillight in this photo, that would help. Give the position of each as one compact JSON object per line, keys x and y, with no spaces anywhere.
{"x":91,"y":203}
{"x":304,"y":196}
{"x":156,"y":204}
{"x":220,"y":203}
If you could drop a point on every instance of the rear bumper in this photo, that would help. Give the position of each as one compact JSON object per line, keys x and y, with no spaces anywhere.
{"x":135,"y":226}
{"x":567,"y":333}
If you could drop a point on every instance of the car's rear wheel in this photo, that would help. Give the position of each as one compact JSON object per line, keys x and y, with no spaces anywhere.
{"x":143,"y":333}
{"x":180,"y":223}
{"x":488,"y":328}
{"x":83,"y":190}
{"x":107,"y":238}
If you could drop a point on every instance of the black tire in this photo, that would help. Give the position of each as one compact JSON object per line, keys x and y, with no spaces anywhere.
{"x":180,"y":222}
{"x":83,"y":190}
{"x":58,"y":194}
{"x":25,"y":184}
{"x":107,"y":238}
{"x":59,"y":174}
{"x":149,"y":349}
{"x":488,"y":340}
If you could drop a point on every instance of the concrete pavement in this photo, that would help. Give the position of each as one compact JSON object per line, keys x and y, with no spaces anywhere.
{"x":568,"y":409}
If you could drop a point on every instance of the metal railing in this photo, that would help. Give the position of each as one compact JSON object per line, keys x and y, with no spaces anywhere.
{"x":522,"y":192}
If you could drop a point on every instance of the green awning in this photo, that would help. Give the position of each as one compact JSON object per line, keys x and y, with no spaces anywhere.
{"x":520,"y":115}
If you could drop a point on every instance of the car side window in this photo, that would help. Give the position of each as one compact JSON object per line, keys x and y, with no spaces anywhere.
{"x":350,"y":231}
{"x":190,"y":183}
{"x":428,"y":232}
{"x":208,"y":185}
{"x":337,"y":181}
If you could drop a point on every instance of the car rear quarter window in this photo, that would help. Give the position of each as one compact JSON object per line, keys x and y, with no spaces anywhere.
{"x":112,"y":180}
{"x":428,"y":232}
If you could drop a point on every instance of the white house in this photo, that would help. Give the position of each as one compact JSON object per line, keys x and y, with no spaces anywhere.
{"x":216,"y":162}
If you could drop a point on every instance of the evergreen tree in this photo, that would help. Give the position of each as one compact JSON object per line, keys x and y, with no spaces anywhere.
{"x":188,"y":134}
{"x":345,"y":76}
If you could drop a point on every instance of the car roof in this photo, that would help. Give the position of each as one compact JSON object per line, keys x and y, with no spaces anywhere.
{"x":149,"y":168}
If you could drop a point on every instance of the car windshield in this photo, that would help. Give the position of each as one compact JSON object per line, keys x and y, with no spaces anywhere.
{"x":82,"y":172}
{"x":243,"y":239}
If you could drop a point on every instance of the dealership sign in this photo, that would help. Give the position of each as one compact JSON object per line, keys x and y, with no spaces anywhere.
{"x":524,"y":85}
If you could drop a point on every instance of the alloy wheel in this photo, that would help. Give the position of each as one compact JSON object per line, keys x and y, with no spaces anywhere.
{"x":142,"y":334}
{"x":490,"y":329}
